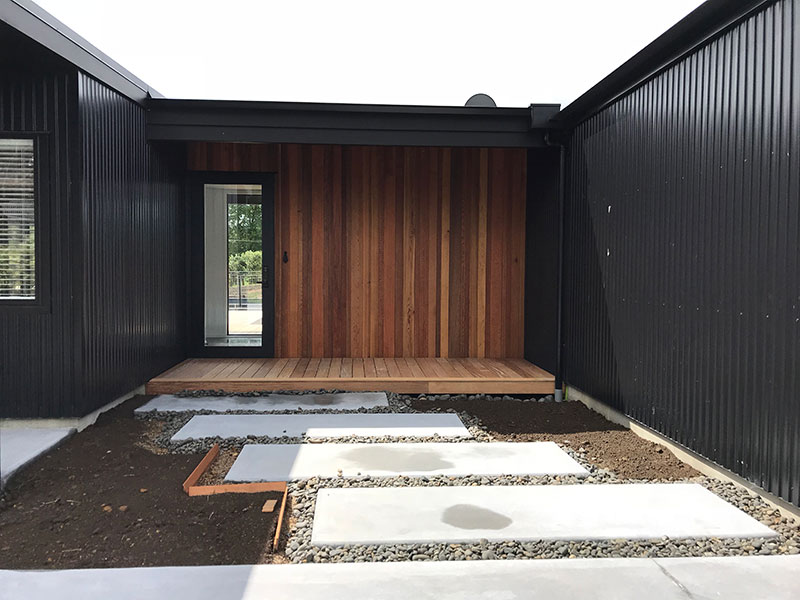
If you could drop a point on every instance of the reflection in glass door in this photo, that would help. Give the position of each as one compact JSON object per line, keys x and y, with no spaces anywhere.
{"x":233,"y":264}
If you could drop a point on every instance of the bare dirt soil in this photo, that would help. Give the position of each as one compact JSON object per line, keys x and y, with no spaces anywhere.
{"x":105,"y":498}
{"x":110,"y":497}
{"x":607,"y":445}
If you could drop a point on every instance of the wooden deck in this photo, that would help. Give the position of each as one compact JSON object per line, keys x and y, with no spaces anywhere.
{"x":401,"y":375}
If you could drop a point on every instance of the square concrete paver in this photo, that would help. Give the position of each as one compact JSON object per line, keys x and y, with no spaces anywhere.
{"x":542,"y":512}
{"x":323,"y":426}
{"x":20,"y":445}
{"x":267,"y":403}
{"x":288,"y":462}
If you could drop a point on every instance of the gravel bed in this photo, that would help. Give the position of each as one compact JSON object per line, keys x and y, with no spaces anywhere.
{"x":398,"y":403}
{"x":303,"y":493}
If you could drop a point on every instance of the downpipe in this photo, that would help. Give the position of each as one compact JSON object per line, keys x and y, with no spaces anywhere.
{"x":556,"y":138}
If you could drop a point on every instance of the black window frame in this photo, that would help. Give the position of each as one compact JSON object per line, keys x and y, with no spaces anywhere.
{"x":41,"y":219}
{"x":196,"y":347}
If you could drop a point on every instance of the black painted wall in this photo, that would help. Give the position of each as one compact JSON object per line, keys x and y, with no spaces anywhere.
{"x":541,"y":258}
{"x":113,"y":234}
{"x":133,"y":287}
{"x":37,"y":375}
{"x":682,"y":303}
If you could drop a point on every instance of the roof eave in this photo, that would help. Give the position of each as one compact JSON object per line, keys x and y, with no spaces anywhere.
{"x":42,"y":27}
{"x":709,"y":20}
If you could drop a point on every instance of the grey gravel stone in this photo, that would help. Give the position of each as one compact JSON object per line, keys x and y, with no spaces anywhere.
{"x":303,"y":493}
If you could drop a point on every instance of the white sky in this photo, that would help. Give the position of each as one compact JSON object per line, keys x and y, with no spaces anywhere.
{"x":431,"y":52}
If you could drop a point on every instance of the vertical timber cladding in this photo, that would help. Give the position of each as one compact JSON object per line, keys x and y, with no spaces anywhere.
{"x":392,"y":251}
{"x":682,"y":299}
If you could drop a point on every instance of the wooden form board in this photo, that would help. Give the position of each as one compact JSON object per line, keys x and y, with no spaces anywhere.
{"x":392,"y":251}
{"x":401,"y":375}
{"x":192,"y":489}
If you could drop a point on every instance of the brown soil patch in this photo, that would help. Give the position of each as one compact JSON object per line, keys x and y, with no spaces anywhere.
{"x":103,"y":500}
{"x":607,"y":445}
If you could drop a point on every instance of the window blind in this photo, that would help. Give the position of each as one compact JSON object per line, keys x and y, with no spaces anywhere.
{"x":17,"y":220}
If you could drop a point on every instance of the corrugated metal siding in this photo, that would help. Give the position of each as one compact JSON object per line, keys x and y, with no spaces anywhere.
{"x":133,"y":249}
{"x":683,"y":280}
{"x":37,"y":347}
{"x":541,"y":258}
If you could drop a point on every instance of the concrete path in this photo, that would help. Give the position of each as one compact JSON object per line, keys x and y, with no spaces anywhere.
{"x":20,"y":445}
{"x":323,"y":426}
{"x":289,"y":462}
{"x":773,"y":577}
{"x":551,"y":512}
{"x":268,"y":403}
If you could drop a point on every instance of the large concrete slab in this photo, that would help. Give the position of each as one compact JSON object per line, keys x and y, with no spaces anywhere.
{"x":288,"y":462}
{"x":733,"y":578}
{"x":268,"y":403}
{"x":323,"y":426}
{"x":21,"y":445}
{"x":543,"y":512}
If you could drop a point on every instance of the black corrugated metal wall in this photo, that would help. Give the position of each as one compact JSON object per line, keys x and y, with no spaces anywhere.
{"x":133,"y":285}
{"x":37,"y":347}
{"x":682,"y":289}
{"x":541,"y":258}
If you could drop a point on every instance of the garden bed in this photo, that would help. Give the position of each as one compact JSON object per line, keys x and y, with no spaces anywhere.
{"x":111,"y":496}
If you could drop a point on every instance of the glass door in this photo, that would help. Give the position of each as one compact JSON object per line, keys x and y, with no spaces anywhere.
{"x":233,"y":265}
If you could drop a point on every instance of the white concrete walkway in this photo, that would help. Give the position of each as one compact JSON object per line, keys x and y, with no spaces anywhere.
{"x":757,"y":577}
{"x":268,"y":403}
{"x":289,"y":462}
{"x":543,"y":512}
{"x":323,"y":426}
{"x":20,"y":445}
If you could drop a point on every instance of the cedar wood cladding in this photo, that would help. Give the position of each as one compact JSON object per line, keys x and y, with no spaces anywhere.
{"x":392,"y":251}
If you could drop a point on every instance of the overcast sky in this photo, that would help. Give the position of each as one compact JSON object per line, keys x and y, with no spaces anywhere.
{"x":405,"y":52}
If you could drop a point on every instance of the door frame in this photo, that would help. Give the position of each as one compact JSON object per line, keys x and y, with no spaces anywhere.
{"x":196,"y":260}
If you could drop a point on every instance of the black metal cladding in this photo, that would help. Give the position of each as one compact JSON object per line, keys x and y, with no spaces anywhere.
{"x":33,"y":342}
{"x":133,"y":285}
{"x":541,"y":258}
{"x":359,"y":124}
{"x":37,"y":346}
{"x":682,"y":304}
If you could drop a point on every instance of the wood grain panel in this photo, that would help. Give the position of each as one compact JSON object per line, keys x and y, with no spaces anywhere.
{"x":220,"y":156}
{"x":392,"y":251}
{"x":402,"y":375}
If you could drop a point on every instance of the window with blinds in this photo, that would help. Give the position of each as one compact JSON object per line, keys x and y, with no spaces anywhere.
{"x":17,"y":220}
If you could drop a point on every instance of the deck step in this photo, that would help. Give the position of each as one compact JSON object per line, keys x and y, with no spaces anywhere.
{"x":323,"y":426}
{"x":524,"y":513}
{"x":289,"y":462}
{"x":400,"y":375}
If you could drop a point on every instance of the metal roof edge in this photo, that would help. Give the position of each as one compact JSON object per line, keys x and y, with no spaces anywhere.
{"x":34,"y":22}
{"x":699,"y":27}
{"x":346,"y":107}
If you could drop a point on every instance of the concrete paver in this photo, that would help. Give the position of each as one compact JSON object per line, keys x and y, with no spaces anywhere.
{"x":524,"y":513}
{"x":267,"y":403}
{"x":323,"y":426}
{"x":20,"y":445}
{"x":288,"y":462}
{"x":732,"y":578}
